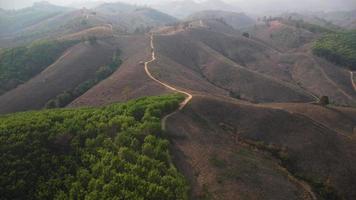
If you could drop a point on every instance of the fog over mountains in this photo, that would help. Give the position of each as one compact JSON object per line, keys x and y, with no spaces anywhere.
{"x":245,"y":5}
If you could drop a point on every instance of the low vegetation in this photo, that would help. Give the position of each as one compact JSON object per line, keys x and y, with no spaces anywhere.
{"x":113,"y":152}
{"x":321,"y":187}
{"x":19,"y":64}
{"x":102,"y":73}
{"x":339,"y":48}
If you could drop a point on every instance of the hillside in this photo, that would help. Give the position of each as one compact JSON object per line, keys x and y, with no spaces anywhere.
{"x":182,"y":9}
{"x":75,"y":70}
{"x":18,"y":65}
{"x":15,"y":21}
{"x":118,"y":151}
{"x":264,"y":116}
{"x":231,"y":149}
{"x":123,"y":18}
{"x":339,"y":48}
{"x":236,"y":20}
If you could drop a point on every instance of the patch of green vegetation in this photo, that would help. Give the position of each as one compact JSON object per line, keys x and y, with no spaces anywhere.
{"x":113,"y":152}
{"x":217,"y":162}
{"x":102,"y":73}
{"x":235,"y":95}
{"x":19,"y":64}
{"x":339,"y":48}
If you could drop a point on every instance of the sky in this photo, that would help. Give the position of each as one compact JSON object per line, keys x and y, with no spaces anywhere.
{"x":246,"y":5}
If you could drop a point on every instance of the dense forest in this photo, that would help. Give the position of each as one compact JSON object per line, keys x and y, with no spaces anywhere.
{"x":19,"y":64}
{"x":102,"y":73}
{"x":339,"y":48}
{"x":113,"y":152}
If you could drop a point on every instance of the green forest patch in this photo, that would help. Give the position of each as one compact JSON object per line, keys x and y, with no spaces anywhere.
{"x":113,"y":152}
{"x":339,"y":48}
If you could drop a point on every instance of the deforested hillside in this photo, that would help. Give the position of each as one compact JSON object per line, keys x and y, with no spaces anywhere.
{"x":133,"y":18}
{"x":282,"y":36}
{"x":236,"y":20}
{"x":80,"y":68}
{"x":246,"y":68}
{"x":113,"y":152}
{"x":122,"y":18}
{"x":232,"y":149}
{"x":183,"y":8}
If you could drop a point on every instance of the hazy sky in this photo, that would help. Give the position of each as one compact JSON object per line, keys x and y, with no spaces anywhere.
{"x":247,"y":5}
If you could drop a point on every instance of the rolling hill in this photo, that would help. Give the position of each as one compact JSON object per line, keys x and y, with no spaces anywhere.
{"x":182,"y":9}
{"x":236,"y":20}
{"x":79,"y":64}
{"x":252,"y":125}
{"x":124,"y":18}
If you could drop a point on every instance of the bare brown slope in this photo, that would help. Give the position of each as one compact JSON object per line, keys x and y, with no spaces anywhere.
{"x":212,"y":131}
{"x":251,"y":69}
{"x":216,"y":69}
{"x":129,"y":81}
{"x":78,"y":65}
{"x":282,"y":36}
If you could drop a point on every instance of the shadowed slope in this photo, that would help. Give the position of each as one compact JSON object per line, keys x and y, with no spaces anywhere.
{"x":79,"y":64}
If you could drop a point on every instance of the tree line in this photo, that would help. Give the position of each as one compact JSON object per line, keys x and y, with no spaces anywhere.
{"x":339,"y":48}
{"x":64,"y":98}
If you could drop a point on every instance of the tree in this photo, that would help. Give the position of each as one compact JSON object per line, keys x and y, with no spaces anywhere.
{"x":245,"y":34}
{"x":324,"y":100}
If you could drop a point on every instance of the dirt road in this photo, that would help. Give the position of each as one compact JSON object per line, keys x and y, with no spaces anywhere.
{"x":188,"y":95}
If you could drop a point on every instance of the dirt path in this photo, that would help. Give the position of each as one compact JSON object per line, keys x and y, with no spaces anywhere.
{"x":188,"y":95}
{"x":352,"y":80}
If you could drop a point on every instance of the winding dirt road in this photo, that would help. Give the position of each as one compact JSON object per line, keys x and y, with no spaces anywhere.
{"x":188,"y":95}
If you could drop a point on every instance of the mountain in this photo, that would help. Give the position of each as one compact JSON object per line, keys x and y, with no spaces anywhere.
{"x":244,"y":109}
{"x":132,"y":17}
{"x":287,"y":145}
{"x":236,"y":20}
{"x":123,"y":18}
{"x":184,"y":8}
{"x":13,"y":22}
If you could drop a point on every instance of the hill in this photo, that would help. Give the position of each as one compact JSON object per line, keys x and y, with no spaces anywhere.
{"x":122,"y":18}
{"x":15,"y":21}
{"x":133,"y":18}
{"x":118,"y":151}
{"x":81,"y":67}
{"x":232,"y":149}
{"x":246,"y":67}
{"x":18,"y":65}
{"x":236,"y":20}
{"x":339,"y":48}
{"x":182,"y":9}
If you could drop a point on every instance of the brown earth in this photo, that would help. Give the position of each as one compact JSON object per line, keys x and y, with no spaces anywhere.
{"x":213,"y":130}
{"x":129,"y":81}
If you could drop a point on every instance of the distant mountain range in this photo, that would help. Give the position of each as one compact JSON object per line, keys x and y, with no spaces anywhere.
{"x":184,"y":8}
